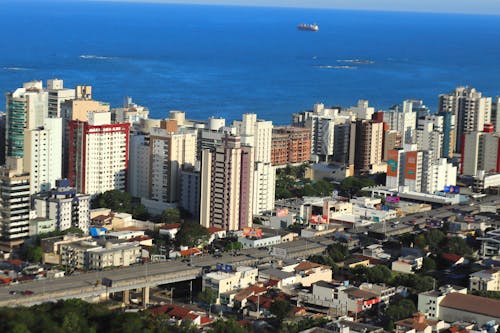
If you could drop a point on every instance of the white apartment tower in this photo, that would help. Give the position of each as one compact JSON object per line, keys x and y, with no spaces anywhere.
{"x":430,"y":135}
{"x":65,"y":206}
{"x":43,"y":158}
{"x":98,"y":154}
{"x":258,"y":134}
{"x":471,"y":111}
{"x":57,"y":95}
{"x":170,"y":149}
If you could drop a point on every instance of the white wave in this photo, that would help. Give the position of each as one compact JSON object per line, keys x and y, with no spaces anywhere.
{"x":93,"y":56}
{"x":357,"y":61}
{"x":335,"y":67}
{"x":11,"y":68}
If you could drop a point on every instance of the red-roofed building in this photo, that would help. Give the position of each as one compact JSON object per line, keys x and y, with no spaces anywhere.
{"x":190,"y":252}
{"x":216,"y":233}
{"x":170,"y":230}
{"x":181,"y":314}
{"x":453,"y":259}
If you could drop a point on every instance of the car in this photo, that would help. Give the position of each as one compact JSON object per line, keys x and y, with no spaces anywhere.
{"x":27,"y":292}
{"x":13,"y":292}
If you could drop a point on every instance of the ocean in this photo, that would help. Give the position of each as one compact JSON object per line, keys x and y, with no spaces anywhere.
{"x":225,"y":61}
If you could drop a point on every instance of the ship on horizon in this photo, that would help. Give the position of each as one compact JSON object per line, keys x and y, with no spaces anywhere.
{"x":308,"y":27}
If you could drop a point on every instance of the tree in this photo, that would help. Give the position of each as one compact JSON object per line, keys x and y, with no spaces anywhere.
{"x":192,"y":234}
{"x":233,"y":246}
{"x":171,"y":215}
{"x":379,"y":273}
{"x":140,"y":212}
{"x":208,"y":296}
{"x":352,"y":186}
{"x":115,"y":200}
{"x":281,"y":309}
{"x":457,"y":245}
{"x":338,"y":252}
{"x":428,"y":264}
{"x":32,"y":253}
{"x":400,"y":310}
{"x":228,"y":326}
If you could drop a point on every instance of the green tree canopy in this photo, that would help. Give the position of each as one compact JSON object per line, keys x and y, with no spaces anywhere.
{"x":207,"y":296}
{"x":171,"y":215}
{"x":281,"y":309}
{"x":115,"y":200}
{"x":400,"y":310}
{"x":192,"y":234}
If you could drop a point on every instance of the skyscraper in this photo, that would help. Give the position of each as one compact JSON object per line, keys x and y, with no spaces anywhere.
{"x":227,"y":185}
{"x":14,"y":204}
{"x":98,"y":155}
{"x":43,"y":147}
{"x":369,"y":138}
{"x":470,"y":108}
{"x":57,"y":95}
{"x":26,"y":108}
{"x":170,"y":149}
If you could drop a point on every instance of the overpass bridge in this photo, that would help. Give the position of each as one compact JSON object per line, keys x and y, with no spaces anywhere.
{"x":140,"y":276}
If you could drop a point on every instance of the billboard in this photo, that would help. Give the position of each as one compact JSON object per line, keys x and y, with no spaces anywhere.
{"x":392,"y":163}
{"x":392,"y":199}
{"x":252,"y":232}
{"x":411,"y":165}
{"x":452,"y":189}
{"x":282,"y":212}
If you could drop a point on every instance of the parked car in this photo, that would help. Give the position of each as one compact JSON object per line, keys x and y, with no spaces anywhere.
{"x":27,"y":292}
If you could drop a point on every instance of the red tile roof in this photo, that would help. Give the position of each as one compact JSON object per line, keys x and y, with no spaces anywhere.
{"x":471,"y":303}
{"x":451,"y":257}
{"x":213,"y":230}
{"x":189,"y":252}
{"x":171,"y":226}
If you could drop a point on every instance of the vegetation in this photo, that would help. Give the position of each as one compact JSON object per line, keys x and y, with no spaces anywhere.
{"x":192,"y":234}
{"x":400,"y":310}
{"x":171,"y":215}
{"x":81,"y":317}
{"x":488,"y":294}
{"x":207,"y":296}
{"x":351,"y":186}
{"x":228,"y":326}
{"x":281,"y":309}
{"x":304,"y":324}
{"x":233,"y":246}
{"x":122,"y":202}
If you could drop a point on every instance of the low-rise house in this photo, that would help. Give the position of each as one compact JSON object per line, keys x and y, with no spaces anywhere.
{"x":307,"y":273}
{"x":170,"y":230}
{"x":418,"y":324}
{"x":180,"y":314}
{"x":225,"y":282}
{"x":490,"y":243}
{"x":338,"y":299}
{"x":428,"y":301}
{"x":485,"y":280}
{"x":453,"y":259}
{"x":457,"y":306}
{"x":376,"y":251}
{"x":383,"y":291}
{"x":283,"y":279}
{"x":408,"y":264}
{"x":355,"y":262}
{"x":216,"y":233}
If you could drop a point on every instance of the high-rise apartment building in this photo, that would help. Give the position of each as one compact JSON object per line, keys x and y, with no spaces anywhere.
{"x":139,"y":165}
{"x":344,"y":141}
{"x":227,"y":185}
{"x":418,"y":171}
{"x":98,"y":155}
{"x":190,"y":189}
{"x":169,"y":150}
{"x":449,"y":134}
{"x":26,"y":108}
{"x":403,"y":119}
{"x":57,"y":95}
{"x":392,"y":140}
{"x":495,"y":114}
{"x":43,"y":147}
{"x":369,"y":138}
{"x":14,"y":203}
{"x":65,"y":206}
{"x":481,"y":152}
{"x":290,"y":145}
{"x":471,"y":111}
{"x":429,"y":134}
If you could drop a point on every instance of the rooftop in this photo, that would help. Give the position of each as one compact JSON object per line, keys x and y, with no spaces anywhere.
{"x":470,"y":303}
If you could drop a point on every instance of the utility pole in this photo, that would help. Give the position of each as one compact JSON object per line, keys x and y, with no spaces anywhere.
{"x":172,"y":295}
{"x":191,"y":292}
{"x":258,"y":306}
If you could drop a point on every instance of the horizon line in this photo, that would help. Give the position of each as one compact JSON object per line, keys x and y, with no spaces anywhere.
{"x":277,"y":6}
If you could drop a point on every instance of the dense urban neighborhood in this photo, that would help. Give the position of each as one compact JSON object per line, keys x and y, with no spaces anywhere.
{"x":347,"y":220}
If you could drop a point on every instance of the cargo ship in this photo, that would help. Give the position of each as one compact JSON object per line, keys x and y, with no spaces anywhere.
{"x":308,"y":27}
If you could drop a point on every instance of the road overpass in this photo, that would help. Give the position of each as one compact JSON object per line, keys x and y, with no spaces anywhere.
{"x":140,"y":276}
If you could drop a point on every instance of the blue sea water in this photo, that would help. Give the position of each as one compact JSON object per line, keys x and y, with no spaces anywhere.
{"x":224,"y":61}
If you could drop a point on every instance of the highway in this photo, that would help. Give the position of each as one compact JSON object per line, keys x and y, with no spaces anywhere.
{"x":87,"y":285}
